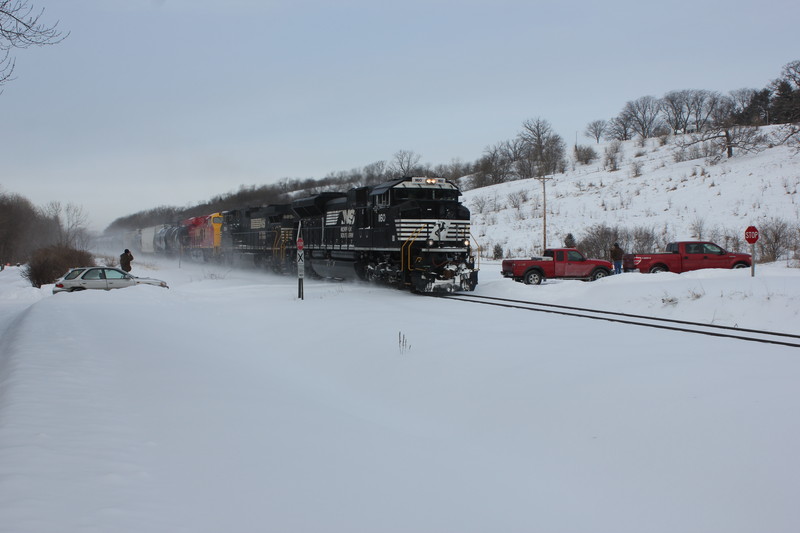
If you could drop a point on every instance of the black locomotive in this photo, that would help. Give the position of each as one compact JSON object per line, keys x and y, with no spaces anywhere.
{"x":410,"y":232}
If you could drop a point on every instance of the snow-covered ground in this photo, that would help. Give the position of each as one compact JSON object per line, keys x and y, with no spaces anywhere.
{"x":227,"y":404}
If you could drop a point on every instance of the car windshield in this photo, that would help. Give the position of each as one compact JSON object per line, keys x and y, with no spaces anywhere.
{"x":74,"y":273}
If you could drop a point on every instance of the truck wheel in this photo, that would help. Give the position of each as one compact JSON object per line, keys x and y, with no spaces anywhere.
{"x":740,"y":265}
{"x":534,"y":277}
{"x":599,"y":274}
{"x":658,"y":268}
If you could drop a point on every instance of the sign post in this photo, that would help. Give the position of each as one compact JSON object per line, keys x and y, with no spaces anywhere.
{"x":751,"y":236}
{"x":301,"y":263}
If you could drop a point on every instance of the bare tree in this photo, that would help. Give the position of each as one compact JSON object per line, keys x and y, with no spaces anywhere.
{"x":726,"y":139}
{"x":480,"y":203}
{"x":645,"y":116}
{"x":613,"y":155}
{"x":21,"y":27}
{"x":596,"y":129}
{"x":698,"y":227}
{"x":515,"y":148}
{"x":620,"y":128}
{"x":496,"y":165}
{"x":676,"y":110}
{"x":516,"y":199}
{"x":741,"y":98}
{"x":789,"y":134}
{"x":544,"y":149}
{"x":791,"y":73}
{"x":453,"y":170}
{"x":778,"y":238}
{"x":374,"y":173}
{"x":704,"y":106}
{"x":584,"y":154}
{"x":405,"y":163}
{"x":70,"y":223}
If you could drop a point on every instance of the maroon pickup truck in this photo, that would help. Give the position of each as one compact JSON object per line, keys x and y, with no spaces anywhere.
{"x":686,"y":256}
{"x":563,"y":263}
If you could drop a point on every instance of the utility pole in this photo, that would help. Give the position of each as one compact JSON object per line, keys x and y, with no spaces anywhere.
{"x":543,"y":180}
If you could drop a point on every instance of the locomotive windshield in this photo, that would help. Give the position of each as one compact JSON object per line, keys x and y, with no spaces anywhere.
{"x":401,"y":195}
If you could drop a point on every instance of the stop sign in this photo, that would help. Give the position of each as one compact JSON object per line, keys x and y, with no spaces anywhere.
{"x":299,"y":243}
{"x":751,"y":234}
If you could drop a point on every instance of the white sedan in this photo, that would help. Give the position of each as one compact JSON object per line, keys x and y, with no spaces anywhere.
{"x":106,"y":278}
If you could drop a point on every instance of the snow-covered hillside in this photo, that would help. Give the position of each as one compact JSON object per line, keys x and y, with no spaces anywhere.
{"x":653,"y":189}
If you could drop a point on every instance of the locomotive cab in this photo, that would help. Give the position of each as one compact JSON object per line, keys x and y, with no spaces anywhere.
{"x":426,"y":229}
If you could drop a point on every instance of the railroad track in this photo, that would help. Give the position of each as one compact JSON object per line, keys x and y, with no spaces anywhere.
{"x":732,"y":332}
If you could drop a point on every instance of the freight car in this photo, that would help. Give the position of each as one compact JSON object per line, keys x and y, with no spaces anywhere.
{"x":261,"y":237}
{"x":409,"y":232}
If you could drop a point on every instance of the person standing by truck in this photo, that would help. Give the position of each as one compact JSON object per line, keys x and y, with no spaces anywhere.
{"x":616,"y":254}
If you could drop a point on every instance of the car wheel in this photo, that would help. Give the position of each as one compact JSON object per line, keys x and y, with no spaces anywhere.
{"x":599,"y":274}
{"x":658,"y":268}
{"x":534,"y":277}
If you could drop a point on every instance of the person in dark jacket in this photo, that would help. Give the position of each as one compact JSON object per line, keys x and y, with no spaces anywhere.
{"x":125,"y":260}
{"x":616,"y":258}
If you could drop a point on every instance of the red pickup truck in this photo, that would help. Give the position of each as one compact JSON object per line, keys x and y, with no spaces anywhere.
{"x":563,"y":263}
{"x":686,"y":256}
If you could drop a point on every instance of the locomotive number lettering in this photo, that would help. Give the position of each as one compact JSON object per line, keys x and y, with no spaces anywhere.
{"x":381,"y":217}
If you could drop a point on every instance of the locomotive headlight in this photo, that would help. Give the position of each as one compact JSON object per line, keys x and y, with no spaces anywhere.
{"x":466,"y":243}
{"x":430,"y":243}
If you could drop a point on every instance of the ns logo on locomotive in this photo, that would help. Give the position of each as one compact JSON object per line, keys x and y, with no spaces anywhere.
{"x":409,"y":232}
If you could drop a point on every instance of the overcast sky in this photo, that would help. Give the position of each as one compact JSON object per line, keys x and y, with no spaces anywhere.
{"x":171,"y":102}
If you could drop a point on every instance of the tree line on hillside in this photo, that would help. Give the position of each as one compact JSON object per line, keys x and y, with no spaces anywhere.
{"x":712,"y":124}
{"x":706,"y":123}
{"x":404,"y":163}
{"x":726,"y":122}
{"x":25,"y":228}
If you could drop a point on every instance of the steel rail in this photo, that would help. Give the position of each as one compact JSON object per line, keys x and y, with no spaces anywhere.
{"x":626,"y":318}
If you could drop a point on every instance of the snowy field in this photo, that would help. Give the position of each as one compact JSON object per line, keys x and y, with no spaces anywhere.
{"x":226,"y":404}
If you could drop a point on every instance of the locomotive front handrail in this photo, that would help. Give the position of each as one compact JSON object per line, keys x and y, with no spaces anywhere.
{"x":407,"y":244}
{"x":477,"y":251}
{"x":277,"y":245}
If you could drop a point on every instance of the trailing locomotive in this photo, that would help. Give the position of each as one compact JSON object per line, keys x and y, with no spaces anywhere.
{"x":409,"y":232}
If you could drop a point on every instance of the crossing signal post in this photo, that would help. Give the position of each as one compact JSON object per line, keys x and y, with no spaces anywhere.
{"x":300,"y":267}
